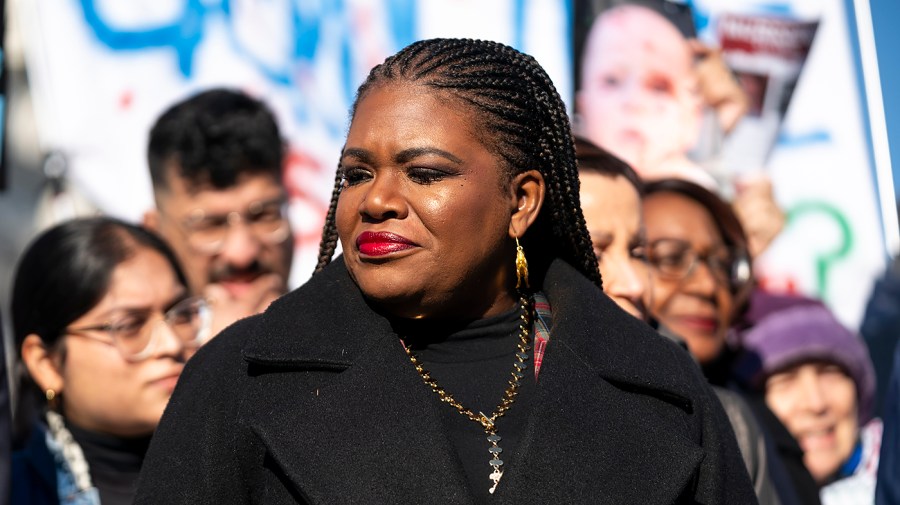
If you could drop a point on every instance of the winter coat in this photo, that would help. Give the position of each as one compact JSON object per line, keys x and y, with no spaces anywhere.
{"x":315,"y":401}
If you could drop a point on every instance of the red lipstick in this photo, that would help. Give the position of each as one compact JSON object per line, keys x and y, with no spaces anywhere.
{"x":381,"y":243}
{"x":699,"y":323}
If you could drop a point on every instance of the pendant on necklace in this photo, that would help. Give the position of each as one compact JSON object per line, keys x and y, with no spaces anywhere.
{"x":495,"y":461}
{"x":509,"y":396}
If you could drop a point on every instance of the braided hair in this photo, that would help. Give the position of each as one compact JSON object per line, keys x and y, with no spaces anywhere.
{"x":523,"y":120}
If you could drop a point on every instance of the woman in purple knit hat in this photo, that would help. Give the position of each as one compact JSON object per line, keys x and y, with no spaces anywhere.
{"x":818,"y":379}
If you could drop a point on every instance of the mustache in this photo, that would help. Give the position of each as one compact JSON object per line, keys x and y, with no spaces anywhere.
{"x":228,"y":271}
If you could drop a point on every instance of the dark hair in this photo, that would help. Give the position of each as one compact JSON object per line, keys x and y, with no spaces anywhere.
{"x":594,"y":159}
{"x":522,"y":120}
{"x":727,"y":224}
{"x":63,"y":274}
{"x":214,"y":137}
{"x":67,"y":269}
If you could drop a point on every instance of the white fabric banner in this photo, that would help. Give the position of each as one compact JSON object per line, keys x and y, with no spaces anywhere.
{"x":833,"y":246}
{"x":102,"y":70}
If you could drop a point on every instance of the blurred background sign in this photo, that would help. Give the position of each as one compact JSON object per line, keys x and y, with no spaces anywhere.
{"x":811,"y":109}
{"x":100,"y":71}
{"x":808,"y":128}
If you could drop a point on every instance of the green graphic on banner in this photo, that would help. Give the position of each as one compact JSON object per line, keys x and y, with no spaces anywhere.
{"x":826,"y":259}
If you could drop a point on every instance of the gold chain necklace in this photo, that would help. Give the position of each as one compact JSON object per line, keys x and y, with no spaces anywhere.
{"x":509,"y":396}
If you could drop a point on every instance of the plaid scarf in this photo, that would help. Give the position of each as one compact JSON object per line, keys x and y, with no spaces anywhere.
{"x":543,"y":321}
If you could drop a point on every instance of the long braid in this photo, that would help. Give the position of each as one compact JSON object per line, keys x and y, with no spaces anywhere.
{"x":523,"y":118}
{"x":329,"y":231}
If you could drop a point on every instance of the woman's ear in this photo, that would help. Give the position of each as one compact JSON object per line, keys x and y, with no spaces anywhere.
{"x":528,"y":196}
{"x":41,"y":364}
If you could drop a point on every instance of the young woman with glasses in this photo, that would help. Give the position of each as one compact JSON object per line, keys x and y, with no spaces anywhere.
{"x":104,"y":323}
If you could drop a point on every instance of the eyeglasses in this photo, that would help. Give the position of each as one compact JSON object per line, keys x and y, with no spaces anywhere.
{"x":265,"y":220}
{"x":674,"y":259}
{"x":135,"y":335}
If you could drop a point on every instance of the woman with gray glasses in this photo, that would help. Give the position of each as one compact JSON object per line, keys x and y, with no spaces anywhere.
{"x":700,"y":291}
{"x":699,"y":268}
{"x":103,"y":323}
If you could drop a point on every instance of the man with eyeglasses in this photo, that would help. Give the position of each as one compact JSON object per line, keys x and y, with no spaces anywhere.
{"x":216,"y":163}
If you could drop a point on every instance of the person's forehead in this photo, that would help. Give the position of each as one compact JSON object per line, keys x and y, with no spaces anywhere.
{"x":131,"y":287}
{"x":607,"y":189}
{"x":398,"y":115}
{"x":248,"y":188}
{"x":677,"y":216}
{"x":636,"y":20}
{"x":636,"y":31}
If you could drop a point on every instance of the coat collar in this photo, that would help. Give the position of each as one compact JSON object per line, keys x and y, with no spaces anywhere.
{"x":404,"y":446}
{"x":341,"y":325}
{"x":326,"y":322}
{"x":565,"y":450}
{"x":615,"y":345}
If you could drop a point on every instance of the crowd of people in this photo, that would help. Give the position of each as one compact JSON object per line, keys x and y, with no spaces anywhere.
{"x":520,"y":311}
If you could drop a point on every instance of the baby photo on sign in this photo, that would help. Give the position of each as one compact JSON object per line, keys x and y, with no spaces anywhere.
{"x":637,"y":85}
{"x":648,"y":90}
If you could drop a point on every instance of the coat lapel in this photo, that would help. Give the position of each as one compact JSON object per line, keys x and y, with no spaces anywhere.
{"x":584,"y":439}
{"x":372,"y":411}
{"x":343,"y":397}
{"x":593,"y":419}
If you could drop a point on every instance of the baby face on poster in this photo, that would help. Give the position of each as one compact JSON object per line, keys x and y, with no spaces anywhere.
{"x":638,"y":95}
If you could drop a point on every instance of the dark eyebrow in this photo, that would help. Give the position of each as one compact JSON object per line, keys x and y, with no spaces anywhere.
{"x":410,"y":154}
{"x":182,"y":295}
{"x":638,"y":239}
{"x":357,"y":153}
{"x":402,"y":157}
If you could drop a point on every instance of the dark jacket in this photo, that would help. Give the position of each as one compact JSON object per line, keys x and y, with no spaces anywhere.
{"x":794,"y":482}
{"x":887,"y":491}
{"x":315,"y":401}
{"x":752,"y":443}
{"x":751,"y":439}
{"x":5,"y":423}
{"x":880,"y":328}
{"x":41,"y":475}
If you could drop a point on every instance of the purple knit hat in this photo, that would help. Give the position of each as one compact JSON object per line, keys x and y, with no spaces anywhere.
{"x":803,"y":333}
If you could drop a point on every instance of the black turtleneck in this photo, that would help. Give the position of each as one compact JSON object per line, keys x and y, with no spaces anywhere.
{"x":114,"y":463}
{"x":474,"y":363}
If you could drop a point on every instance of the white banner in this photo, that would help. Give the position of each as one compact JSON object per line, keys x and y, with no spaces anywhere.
{"x":102,"y":70}
{"x":833,"y":246}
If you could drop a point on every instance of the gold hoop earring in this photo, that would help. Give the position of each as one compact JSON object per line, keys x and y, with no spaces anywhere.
{"x":521,"y":267}
{"x":50,"y":394}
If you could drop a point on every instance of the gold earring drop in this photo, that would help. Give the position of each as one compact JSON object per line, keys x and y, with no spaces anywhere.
{"x":521,"y":267}
{"x":50,"y":394}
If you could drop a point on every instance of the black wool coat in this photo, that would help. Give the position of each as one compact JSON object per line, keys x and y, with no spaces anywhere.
{"x":315,"y":401}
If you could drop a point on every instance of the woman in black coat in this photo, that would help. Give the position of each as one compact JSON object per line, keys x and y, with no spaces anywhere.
{"x":433,"y":362}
